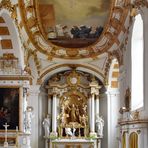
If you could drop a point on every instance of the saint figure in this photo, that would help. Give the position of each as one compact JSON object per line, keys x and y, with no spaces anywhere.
{"x":46,"y":125}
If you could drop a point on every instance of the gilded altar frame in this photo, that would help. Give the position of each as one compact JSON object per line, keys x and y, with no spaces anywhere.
{"x":82,"y":128}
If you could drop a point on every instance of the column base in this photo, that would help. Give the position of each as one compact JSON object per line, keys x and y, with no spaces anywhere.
{"x":93,"y":134}
{"x":53,"y":135}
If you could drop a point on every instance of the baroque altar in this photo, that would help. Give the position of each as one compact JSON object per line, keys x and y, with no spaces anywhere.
{"x":73,"y":111}
{"x":15,"y":114}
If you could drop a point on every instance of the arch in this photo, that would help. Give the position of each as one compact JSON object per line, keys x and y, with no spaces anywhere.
{"x":137,"y":51}
{"x":113,"y":74}
{"x":12,"y":38}
{"x":133,"y":140}
{"x":63,"y":67}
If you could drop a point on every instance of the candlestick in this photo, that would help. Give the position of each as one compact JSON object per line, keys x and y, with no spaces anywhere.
{"x":16,"y":128}
{"x":6,"y":143}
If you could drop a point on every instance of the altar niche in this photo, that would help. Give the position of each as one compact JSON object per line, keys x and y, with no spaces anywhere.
{"x":73,"y":118}
{"x":73,"y":103}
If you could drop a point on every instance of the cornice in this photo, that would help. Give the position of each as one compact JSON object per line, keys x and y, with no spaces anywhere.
{"x":140,"y":121}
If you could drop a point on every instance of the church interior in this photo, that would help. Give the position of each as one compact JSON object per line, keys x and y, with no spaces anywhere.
{"x":73,"y":74}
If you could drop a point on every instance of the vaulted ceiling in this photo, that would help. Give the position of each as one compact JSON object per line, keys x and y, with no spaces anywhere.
{"x":40,"y":52}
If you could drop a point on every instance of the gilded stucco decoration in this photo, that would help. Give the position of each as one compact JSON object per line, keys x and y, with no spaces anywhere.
{"x":45,"y":73}
{"x":6,"y":4}
{"x":112,"y":55}
{"x":113,"y":27}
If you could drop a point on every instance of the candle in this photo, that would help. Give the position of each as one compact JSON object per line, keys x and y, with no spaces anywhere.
{"x":16,"y":128}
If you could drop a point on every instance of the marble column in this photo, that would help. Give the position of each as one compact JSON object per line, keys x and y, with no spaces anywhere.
{"x":54,"y":114}
{"x":92,"y":127}
{"x":97,"y":105}
{"x":89,"y":110}
{"x":49,"y":104}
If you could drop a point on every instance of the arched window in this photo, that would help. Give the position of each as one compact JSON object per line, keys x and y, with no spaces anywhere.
{"x":137,"y":64}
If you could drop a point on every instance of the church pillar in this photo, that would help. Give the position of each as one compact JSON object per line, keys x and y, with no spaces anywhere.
{"x":54,"y":114}
{"x":89,"y":110}
{"x":92,"y":127}
{"x":97,"y":104}
{"x":49,"y":104}
{"x":33,"y":101}
{"x":94,"y":91}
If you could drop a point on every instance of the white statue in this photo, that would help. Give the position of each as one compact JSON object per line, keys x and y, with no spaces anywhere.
{"x":29,"y":116}
{"x":69,"y":132}
{"x":46,"y":125}
{"x":99,"y":125}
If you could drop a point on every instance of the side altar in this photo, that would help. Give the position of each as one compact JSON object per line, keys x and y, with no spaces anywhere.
{"x":15,"y":114}
{"x":73,"y":119}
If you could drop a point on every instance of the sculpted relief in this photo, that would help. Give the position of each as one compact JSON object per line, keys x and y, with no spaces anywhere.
{"x":73,"y":110}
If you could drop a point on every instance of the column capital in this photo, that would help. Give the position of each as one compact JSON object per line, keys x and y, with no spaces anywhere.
{"x":55,"y":94}
{"x":92,"y":94}
{"x":97,"y":96}
{"x":34,"y":89}
{"x":49,"y":96}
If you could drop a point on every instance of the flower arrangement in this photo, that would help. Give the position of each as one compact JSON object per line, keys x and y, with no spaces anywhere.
{"x":53,"y":136}
{"x":92,"y":136}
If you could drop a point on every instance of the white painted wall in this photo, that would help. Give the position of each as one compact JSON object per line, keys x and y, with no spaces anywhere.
{"x":42,"y":113}
{"x":125,"y":72}
{"x":113,"y":105}
{"x":145,"y":20}
{"x":103,"y":113}
{"x":125,"y":82}
{"x":33,"y":101}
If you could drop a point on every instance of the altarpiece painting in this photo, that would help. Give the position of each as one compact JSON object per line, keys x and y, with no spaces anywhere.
{"x":9,"y":108}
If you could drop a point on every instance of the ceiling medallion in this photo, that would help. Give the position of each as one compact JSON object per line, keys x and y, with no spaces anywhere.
{"x":73,"y":30}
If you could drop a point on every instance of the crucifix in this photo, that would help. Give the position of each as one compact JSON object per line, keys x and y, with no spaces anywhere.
{"x":6,"y":143}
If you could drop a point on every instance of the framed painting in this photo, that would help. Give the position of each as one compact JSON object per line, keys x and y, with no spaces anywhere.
{"x":9,"y":107}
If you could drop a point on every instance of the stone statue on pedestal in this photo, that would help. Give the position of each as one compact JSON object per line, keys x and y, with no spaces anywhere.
{"x":28,"y":119}
{"x":46,"y":125}
{"x":99,"y":125}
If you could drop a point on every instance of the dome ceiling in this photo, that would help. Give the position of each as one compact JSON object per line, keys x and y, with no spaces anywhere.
{"x":52,"y":25}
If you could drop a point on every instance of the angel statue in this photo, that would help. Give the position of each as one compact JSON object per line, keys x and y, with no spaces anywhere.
{"x":70,"y":132}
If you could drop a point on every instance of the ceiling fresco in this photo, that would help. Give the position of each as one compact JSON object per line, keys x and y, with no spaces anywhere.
{"x":73,"y":23}
{"x":67,"y":29}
